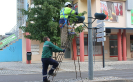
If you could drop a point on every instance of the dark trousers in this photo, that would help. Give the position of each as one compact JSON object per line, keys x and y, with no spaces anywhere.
{"x":45,"y":63}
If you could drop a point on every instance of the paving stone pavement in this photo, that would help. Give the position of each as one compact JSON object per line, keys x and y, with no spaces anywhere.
{"x":16,"y":68}
{"x":34,"y":68}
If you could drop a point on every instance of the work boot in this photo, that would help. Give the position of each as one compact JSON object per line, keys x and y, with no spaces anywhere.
{"x":47,"y":80}
{"x":52,"y":74}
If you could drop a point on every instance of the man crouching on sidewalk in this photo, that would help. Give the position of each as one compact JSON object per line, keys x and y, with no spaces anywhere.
{"x":48,"y":48}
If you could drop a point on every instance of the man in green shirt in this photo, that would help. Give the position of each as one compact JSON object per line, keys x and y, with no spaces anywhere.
{"x":48,"y":48}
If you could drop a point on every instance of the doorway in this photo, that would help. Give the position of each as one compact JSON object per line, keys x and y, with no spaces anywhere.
{"x":113,"y":45}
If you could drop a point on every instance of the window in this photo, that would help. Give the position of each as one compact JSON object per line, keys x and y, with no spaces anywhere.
{"x":97,"y":47}
{"x":113,"y":37}
{"x":113,"y":45}
{"x":131,"y":43}
{"x":35,"y":49}
{"x":85,"y":45}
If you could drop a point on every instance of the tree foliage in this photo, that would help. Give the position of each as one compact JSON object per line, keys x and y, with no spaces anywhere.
{"x":43,"y":20}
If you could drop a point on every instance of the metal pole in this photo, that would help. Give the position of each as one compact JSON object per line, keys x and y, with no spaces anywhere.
{"x":90,"y":43}
{"x":94,"y":30}
{"x":103,"y":54}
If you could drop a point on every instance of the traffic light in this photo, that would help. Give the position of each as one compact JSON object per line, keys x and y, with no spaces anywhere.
{"x":80,"y":19}
{"x":100,"y":16}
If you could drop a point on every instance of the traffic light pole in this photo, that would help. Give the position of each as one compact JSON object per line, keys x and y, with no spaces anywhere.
{"x":90,"y":44}
{"x":103,"y":54}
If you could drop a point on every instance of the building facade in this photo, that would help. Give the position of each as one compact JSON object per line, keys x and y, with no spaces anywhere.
{"x":118,"y":29}
{"x":118,"y":25}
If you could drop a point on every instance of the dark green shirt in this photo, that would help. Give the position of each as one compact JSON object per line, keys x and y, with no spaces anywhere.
{"x":48,"y":48}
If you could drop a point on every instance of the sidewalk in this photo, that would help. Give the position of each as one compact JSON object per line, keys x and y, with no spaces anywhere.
{"x":63,"y":77}
{"x":98,"y":65}
{"x":68,"y":67}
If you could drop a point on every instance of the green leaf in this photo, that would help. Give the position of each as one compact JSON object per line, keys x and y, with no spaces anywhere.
{"x":42,"y":15}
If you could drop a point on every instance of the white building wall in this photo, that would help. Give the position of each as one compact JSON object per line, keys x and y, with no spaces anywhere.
{"x":128,"y":20}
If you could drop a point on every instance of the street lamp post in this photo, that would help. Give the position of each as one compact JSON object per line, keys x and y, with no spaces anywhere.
{"x":90,"y":44}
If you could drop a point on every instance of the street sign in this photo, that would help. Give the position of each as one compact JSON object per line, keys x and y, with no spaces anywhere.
{"x":101,"y":29}
{"x":101,"y":39}
{"x":100,"y":23}
{"x":101,"y":34}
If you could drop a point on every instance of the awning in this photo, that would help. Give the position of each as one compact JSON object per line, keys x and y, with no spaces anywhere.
{"x":115,"y":28}
{"x":118,"y":28}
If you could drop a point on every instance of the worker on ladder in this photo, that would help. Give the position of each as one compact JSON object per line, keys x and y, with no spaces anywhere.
{"x":64,"y":14}
{"x":48,"y":48}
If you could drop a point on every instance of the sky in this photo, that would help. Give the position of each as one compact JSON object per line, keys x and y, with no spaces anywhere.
{"x":7,"y":15}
